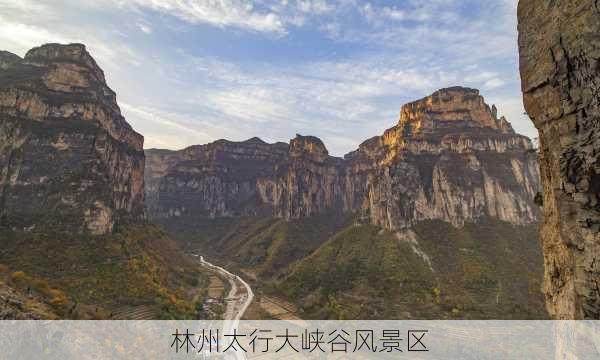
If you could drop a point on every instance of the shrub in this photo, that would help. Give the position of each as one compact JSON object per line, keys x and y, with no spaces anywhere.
{"x":18,"y":276}
{"x":436,"y":293}
{"x":58,"y":298}
{"x":41,"y":285}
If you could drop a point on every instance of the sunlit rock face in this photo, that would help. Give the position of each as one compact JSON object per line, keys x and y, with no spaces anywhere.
{"x":449,"y":157}
{"x":559,"y":63}
{"x":450,"y":108}
{"x":68,"y":158}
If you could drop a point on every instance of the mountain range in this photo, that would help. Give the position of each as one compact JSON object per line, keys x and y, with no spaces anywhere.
{"x":436,"y":218}
{"x":442,"y":204}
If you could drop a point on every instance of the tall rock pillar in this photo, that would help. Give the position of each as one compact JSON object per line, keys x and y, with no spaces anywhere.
{"x":559,"y":45}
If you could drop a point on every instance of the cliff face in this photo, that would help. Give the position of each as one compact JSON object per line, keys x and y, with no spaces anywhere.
{"x":559,"y":62}
{"x":227,"y":178}
{"x":68,"y":158}
{"x":449,"y":158}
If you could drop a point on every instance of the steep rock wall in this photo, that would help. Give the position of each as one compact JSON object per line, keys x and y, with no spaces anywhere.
{"x":228,"y":178}
{"x":559,"y":45}
{"x":68,"y":158}
{"x":449,"y":158}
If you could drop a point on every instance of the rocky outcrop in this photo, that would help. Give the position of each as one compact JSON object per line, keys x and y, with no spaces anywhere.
{"x":449,"y":157}
{"x":15,"y":305}
{"x":68,"y":158}
{"x":559,"y":46}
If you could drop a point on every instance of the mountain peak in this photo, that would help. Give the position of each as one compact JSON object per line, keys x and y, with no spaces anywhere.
{"x":255,"y":140}
{"x":75,"y":52}
{"x":308,"y":145}
{"x":58,"y":110}
{"x":455,"y":90}
{"x":8,"y":59}
{"x":451,"y":108}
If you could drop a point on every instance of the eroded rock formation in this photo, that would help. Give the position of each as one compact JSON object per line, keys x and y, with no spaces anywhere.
{"x":559,"y":45}
{"x":68,"y":158}
{"x":449,"y":157}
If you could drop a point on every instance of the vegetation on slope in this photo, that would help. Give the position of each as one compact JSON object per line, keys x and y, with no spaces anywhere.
{"x":96,"y":276}
{"x":333,"y":268}
{"x":36,"y":301}
{"x":359,"y":273}
{"x":489,"y":270}
{"x":264,"y":245}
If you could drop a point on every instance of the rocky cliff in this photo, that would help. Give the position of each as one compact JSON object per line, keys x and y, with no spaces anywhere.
{"x":228,"y":178}
{"x":559,"y":46}
{"x":449,"y":158}
{"x":68,"y":158}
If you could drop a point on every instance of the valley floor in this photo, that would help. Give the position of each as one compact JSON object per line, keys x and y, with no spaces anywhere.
{"x":240,"y":294}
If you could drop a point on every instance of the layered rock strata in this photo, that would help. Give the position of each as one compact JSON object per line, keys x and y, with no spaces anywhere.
{"x":68,"y":158}
{"x":449,"y":157}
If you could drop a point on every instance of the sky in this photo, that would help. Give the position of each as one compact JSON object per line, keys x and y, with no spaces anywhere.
{"x":193,"y":71}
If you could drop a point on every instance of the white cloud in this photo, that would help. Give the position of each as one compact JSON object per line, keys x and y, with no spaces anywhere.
{"x":332,"y":29}
{"x":488,"y":80}
{"x":337,"y":101}
{"x":397,"y":54}
{"x":368,"y":12}
{"x":22,"y":6}
{"x":493,"y":83}
{"x":255,"y":104}
{"x":421,"y":12}
{"x":393,"y":13}
{"x":314,"y":6}
{"x":221,"y":13}
{"x":480,"y":76}
{"x":20,"y":38}
{"x":163,"y":129}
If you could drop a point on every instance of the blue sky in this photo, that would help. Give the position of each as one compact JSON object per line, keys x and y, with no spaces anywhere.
{"x":193,"y":71}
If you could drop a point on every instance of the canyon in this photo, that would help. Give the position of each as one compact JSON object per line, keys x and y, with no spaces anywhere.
{"x":436,"y":217}
{"x":442,"y":205}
